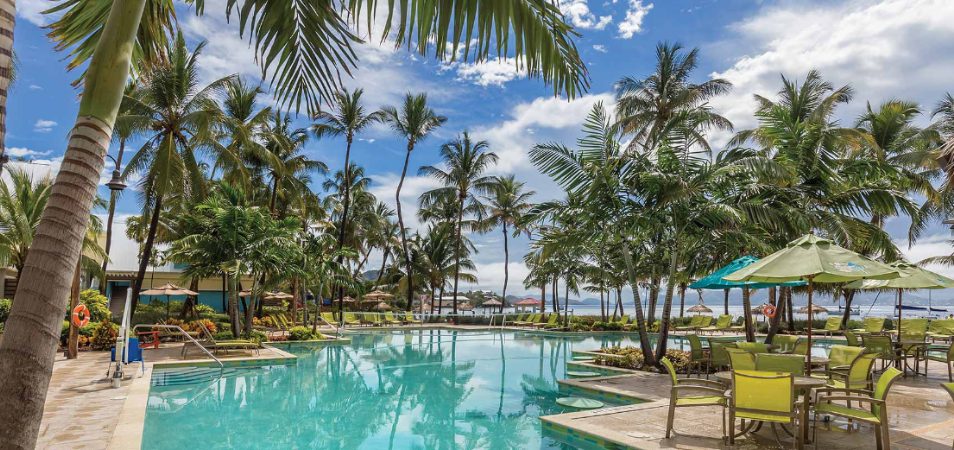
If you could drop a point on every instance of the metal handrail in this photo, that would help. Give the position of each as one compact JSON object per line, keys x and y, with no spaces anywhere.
{"x":187,"y":335}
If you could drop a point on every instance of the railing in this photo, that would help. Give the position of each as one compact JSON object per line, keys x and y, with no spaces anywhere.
{"x":186,"y":335}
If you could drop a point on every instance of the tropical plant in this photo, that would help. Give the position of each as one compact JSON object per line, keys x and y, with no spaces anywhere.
{"x":463,"y":180}
{"x":414,"y":122}
{"x":22,"y":202}
{"x":506,"y":206}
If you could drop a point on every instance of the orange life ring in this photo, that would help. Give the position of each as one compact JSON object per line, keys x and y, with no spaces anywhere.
{"x":81,"y":316}
{"x":769,"y":311}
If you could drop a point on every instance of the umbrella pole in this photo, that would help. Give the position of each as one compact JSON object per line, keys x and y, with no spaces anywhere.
{"x":810,"y":316}
{"x":899,"y":314}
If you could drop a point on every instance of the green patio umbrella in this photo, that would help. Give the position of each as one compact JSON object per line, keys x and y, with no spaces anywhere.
{"x":815,"y":260}
{"x":912,"y":277}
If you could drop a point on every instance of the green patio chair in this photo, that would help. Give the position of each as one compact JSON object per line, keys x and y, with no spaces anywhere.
{"x":519,"y":318}
{"x":771,"y":362}
{"x":852,"y":339}
{"x":941,"y":330}
{"x":753,"y":347}
{"x":391,"y":320}
{"x":330,"y":318}
{"x":883,"y":347}
{"x":763,"y":397}
{"x":801,"y":347}
{"x":722,"y":325}
{"x":531,"y":319}
{"x":623,"y":320}
{"x":740,"y":359}
{"x":351,"y":319}
{"x":942,"y":354}
{"x":375,"y":319}
{"x":687,"y":392}
{"x":832,"y":326}
{"x":718,"y":356}
{"x":409,"y":318}
{"x":697,"y":353}
{"x":876,"y":412}
{"x":858,"y":375}
{"x":840,"y":358}
{"x":740,"y":327}
{"x":692,"y":326}
{"x":552,"y":321}
{"x":784,"y":343}
{"x":706,"y":321}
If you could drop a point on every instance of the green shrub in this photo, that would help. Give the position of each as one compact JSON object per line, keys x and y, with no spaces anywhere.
{"x":5,"y":305}
{"x":104,"y":335}
{"x":301,"y":333}
{"x":97,"y":303}
{"x":223,"y":335}
{"x":204,"y":311}
{"x":632,"y":358}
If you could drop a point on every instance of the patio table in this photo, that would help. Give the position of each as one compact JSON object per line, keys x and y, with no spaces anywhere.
{"x":803,"y":385}
{"x":920,"y":350}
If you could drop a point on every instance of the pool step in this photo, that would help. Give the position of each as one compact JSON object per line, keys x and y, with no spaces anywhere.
{"x":191,"y":375}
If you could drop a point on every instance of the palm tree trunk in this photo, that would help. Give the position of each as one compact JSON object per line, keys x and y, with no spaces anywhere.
{"x":663,"y":339}
{"x":790,"y":309}
{"x":8,"y":12}
{"x":274,"y":196}
{"x":460,"y":219}
{"x":747,"y":314}
{"x":234,"y":302}
{"x":314,"y":325}
{"x":31,"y":333}
{"x":566,"y":300}
{"x":384,"y":262}
{"x":503,"y":300}
{"x":682,"y":300}
{"x":72,"y":342}
{"x":602,"y":306}
{"x":725,"y":300}
{"x":849,"y":295}
{"x":146,"y":253}
{"x":653,"y":300}
{"x":397,"y":200}
{"x":346,"y":203}
{"x":294,"y":301}
{"x":554,"y":296}
{"x":109,"y":218}
{"x":640,"y":318}
{"x":773,"y":295}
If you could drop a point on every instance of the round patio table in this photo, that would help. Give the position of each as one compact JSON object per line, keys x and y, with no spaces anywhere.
{"x":920,"y":348}
{"x":803,"y":385}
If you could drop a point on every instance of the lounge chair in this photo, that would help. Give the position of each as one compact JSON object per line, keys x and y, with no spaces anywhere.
{"x":694,"y":324}
{"x":367,"y":319}
{"x":330,"y":318}
{"x":771,"y":362}
{"x":409,"y":318}
{"x":530,"y":320}
{"x":832,"y":326}
{"x":390,"y":319}
{"x":376,"y":320}
{"x":764,"y":397}
{"x":623,"y":321}
{"x":705,"y":322}
{"x":210,"y":343}
{"x":692,"y":392}
{"x":852,"y":339}
{"x":941,"y":330}
{"x":722,"y":325}
{"x":872,"y":325}
{"x":351,"y":319}
{"x":552,"y":322}
{"x":873,"y":409}
{"x":942,"y":354}
{"x":520,"y":318}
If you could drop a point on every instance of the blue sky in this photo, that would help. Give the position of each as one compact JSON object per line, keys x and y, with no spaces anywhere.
{"x":884,"y":48}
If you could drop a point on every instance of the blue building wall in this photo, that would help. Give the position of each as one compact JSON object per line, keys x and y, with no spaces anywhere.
{"x":209,"y":298}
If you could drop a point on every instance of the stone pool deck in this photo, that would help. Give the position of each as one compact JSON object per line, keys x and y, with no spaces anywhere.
{"x":921,"y":416}
{"x":83,"y":410}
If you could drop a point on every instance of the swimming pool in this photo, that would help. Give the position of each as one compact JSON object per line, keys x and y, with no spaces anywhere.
{"x":402,"y":389}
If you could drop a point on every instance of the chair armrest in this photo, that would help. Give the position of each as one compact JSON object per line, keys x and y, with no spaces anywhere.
{"x":677,"y":389}
{"x":849,"y":398}
{"x":845,"y":390}
{"x":699,"y":382}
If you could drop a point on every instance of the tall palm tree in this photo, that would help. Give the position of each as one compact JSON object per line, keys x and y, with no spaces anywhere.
{"x":414,"y":122}
{"x":181,"y":115}
{"x":22,"y":202}
{"x":303,"y":44}
{"x":506,"y":205}
{"x":243,"y":128}
{"x":464,"y":181}
{"x":944,"y":115}
{"x":287,"y":167}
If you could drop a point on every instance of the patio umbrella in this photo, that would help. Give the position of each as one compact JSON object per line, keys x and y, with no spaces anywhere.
{"x":378,"y":295}
{"x":490,"y":303}
{"x":912,"y":277}
{"x":382,"y":306}
{"x":815,"y":260}
{"x":277,"y":296}
{"x":168,"y":289}
{"x":466,"y":306}
{"x":348,"y":299}
{"x":699,"y":309}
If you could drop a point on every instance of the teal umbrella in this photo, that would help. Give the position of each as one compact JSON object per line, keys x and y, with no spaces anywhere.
{"x":716,"y":280}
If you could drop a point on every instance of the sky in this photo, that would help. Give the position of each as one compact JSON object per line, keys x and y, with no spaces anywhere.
{"x":884,"y":49}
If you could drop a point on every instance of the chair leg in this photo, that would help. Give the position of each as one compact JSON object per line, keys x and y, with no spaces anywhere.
{"x":731,"y":427}
{"x":669,"y":420}
{"x":878,"y":438}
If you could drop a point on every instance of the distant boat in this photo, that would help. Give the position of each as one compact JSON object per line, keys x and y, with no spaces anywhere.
{"x":920,"y":308}
{"x":855,"y":311}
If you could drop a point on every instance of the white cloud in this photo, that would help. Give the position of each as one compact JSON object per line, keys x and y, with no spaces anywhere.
{"x":884,"y":49}
{"x":600,"y":48}
{"x":493,"y":72}
{"x":633,"y":22}
{"x":37,"y":168}
{"x":20,"y":152}
{"x":542,"y":120}
{"x":384,"y":186}
{"x":43,"y":126}
{"x":32,"y":11}
{"x":578,"y":14}
{"x":36,"y":87}
{"x":926,"y":247}
{"x":491,"y":276}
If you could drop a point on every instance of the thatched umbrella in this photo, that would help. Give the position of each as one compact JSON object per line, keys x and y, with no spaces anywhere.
{"x":700,"y":309}
{"x":377,"y":295}
{"x":382,"y":306}
{"x":277,"y":296}
{"x":466,"y":306}
{"x":492,"y":303}
{"x":816,"y":309}
{"x":168,"y":290}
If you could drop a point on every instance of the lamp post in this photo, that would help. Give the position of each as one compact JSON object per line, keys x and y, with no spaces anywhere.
{"x":115,"y":185}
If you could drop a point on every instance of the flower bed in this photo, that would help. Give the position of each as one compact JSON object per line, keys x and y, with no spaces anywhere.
{"x":632,"y":358}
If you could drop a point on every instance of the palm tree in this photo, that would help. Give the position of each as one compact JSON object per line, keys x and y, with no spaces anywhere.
{"x":181,"y":115}
{"x":243,"y":128}
{"x":944,"y":114}
{"x":287,"y":167}
{"x":22,"y":202}
{"x":506,"y":205}
{"x":346,"y":117}
{"x":415,"y":121}
{"x":464,"y":181}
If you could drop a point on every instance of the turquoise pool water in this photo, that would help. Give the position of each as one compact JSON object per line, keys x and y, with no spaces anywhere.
{"x":426,"y":389}
{"x":406,"y":389}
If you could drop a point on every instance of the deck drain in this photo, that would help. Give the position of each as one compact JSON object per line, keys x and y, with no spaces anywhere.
{"x":579,"y":402}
